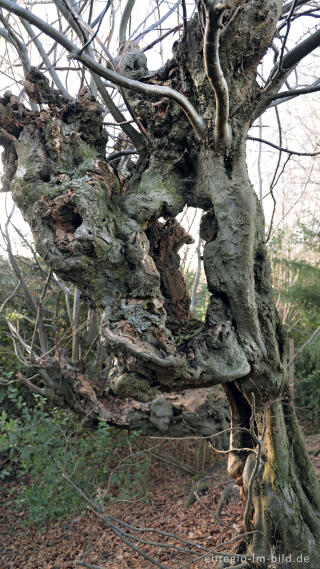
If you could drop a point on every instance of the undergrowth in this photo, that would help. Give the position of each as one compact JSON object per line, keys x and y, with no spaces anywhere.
{"x":38,"y":447}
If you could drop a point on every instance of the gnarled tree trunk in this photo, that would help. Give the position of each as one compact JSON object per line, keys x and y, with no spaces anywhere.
{"x":101,"y":231}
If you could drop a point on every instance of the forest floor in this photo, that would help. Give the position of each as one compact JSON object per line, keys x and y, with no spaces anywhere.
{"x":61,"y":544}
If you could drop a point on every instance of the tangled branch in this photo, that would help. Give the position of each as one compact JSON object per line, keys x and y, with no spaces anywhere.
{"x":198,"y":123}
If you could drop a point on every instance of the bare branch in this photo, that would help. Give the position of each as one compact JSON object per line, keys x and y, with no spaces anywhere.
{"x":223,"y":498}
{"x":124,"y":20}
{"x":107,"y":519}
{"x":124,"y":96}
{"x":4,"y":34}
{"x":15,"y":336}
{"x":195,"y":119}
{"x":288,"y":5}
{"x":127,"y":537}
{"x":50,"y":387}
{"x":30,"y":296}
{"x":301,"y":50}
{"x":66,"y":292}
{"x":272,"y":185}
{"x":288,"y":24}
{"x":116,"y":155}
{"x":312,"y":12}
{"x":160,"y":532}
{"x":287,"y":95}
{"x":158,"y":23}
{"x":225,"y":555}
{"x":278,"y":76}
{"x":30,"y":385}
{"x":45,"y":59}
{"x":99,"y":24}
{"x":5,"y":302}
{"x":28,"y":246}
{"x":80,"y":28}
{"x":99,"y":70}
{"x":119,"y":533}
{"x":214,"y":14}
{"x":296,"y":201}
{"x":20,"y":48}
{"x":313,"y":335}
{"x":296,"y":152}
{"x":16,"y":42}
{"x":160,"y":38}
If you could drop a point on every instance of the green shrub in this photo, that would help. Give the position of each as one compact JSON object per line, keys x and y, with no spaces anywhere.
{"x":42,"y":446}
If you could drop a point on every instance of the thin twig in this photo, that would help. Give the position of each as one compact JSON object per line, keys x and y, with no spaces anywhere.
{"x":156,"y":24}
{"x":272,"y":185}
{"x":295,"y":152}
{"x":90,"y":40}
{"x":313,"y":335}
{"x":295,"y":93}
{"x":162,"y":37}
{"x":288,"y":24}
{"x":5,"y":302}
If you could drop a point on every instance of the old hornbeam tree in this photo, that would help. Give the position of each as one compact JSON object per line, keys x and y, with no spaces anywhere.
{"x":97,"y":225}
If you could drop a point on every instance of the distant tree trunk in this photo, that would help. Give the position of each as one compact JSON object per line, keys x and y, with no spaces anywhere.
{"x":291,"y":366}
{"x":75,"y":332}
{"x":101,"y":232}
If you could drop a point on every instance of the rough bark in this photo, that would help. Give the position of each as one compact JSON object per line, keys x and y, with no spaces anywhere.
{"x":101,"y":231}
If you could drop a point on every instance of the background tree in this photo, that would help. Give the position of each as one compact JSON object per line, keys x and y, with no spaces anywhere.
{"x":95,"y":221}
{"x":295,"y":260}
